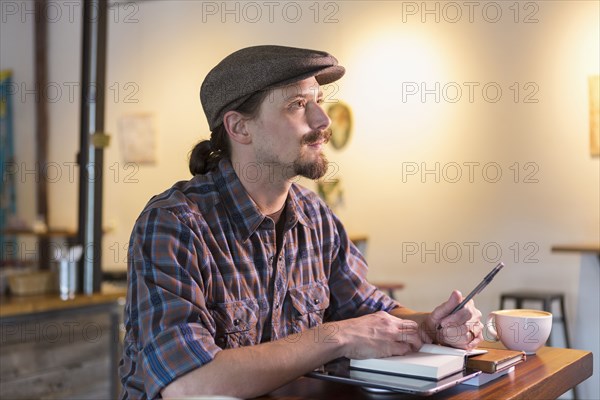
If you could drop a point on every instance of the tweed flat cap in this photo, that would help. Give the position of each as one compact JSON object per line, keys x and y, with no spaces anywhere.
{"x":246,"y":71}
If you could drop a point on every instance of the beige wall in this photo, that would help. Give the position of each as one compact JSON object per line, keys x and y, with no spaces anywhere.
{"x":159,"y":52}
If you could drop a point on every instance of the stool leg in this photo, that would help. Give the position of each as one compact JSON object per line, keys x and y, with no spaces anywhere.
{"x":564,"y":321}
{"x":563,"y":316}
{"x":519,"y":302}
{"x":502,"y":301}
{"x":546,"y":306}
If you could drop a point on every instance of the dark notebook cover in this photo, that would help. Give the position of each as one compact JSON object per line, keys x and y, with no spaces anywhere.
{"x":495,"y":360}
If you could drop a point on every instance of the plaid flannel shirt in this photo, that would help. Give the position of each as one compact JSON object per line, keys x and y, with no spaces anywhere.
{"x":200,"y":265}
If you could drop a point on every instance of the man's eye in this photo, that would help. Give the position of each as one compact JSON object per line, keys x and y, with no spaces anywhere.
{"x":321,"y":101}
{"x":299,"y":104}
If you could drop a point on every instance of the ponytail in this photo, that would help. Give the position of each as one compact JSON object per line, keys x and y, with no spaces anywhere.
{"x":205,"y":156}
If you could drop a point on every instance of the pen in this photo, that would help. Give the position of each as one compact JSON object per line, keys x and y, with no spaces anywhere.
{"x":488,"y":278}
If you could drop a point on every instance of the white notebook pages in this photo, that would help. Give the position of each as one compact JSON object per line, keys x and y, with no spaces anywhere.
{"x":431,"y":362}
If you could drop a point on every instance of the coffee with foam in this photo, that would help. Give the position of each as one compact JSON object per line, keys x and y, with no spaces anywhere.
{"x":524,"y":313}
{"x":521,"y":329}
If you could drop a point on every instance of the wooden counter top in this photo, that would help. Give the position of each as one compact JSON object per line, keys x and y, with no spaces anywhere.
{"x":546,"y":375}
{"x":578,"y":248}
{"x":18,"y":305}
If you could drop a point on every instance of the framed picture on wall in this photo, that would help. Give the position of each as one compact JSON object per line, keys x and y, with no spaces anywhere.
{"x":341,"y":124}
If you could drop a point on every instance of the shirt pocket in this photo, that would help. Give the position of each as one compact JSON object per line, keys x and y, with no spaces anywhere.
{"x":309,"y":304}
{"x":236,"y":323}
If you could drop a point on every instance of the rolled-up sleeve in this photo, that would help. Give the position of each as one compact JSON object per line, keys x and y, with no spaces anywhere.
{"x":170,"y":331}
{"x":351,"y":294}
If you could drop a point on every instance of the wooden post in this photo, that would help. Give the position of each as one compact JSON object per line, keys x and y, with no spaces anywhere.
{"x":41,"y":126}
{"x":92,"y":142}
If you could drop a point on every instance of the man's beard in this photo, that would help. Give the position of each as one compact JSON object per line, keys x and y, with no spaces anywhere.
{"x":317,"y":168}
{"x":311,"y":169}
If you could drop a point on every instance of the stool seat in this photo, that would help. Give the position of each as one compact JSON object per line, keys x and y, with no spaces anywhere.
{"x":389,"y":287}
{"x":533,"y":295}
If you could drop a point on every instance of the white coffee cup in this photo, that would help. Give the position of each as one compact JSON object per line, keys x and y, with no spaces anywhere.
{"x":520,"y":329}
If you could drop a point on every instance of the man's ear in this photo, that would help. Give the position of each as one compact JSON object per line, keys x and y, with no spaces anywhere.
{"x":235,"y":125}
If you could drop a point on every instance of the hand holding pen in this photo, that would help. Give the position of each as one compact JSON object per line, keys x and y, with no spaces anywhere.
{"x":470,"y":320}
{"x":486,"y":280}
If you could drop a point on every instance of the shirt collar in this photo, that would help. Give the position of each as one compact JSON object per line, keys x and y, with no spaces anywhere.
{"x":243,"y":211}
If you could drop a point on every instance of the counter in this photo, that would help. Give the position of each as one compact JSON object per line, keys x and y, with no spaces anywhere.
{"x":53,"y":348}
{"x":11,"y":306}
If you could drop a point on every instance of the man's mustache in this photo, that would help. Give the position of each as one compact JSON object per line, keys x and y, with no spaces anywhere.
{"x":317,"y":136}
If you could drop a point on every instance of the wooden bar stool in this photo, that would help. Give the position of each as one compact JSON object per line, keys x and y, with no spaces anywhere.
{"x":546,"y":299}
{"x":389,"y":287}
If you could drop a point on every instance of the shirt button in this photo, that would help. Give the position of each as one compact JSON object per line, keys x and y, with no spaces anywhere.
{"x":236,"y":322}
{"x":276,"y":304}
{"x":317,"y":301}
{"x":271,"y":260}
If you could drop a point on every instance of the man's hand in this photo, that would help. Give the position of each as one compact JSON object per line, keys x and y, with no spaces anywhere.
{"x":462,"y":329}
{"x":378,"y":335}
{"x":262,"y":368}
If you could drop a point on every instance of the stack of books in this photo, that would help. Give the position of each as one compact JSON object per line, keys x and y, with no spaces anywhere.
{"x":494,"y":364}
{"x":436,"y":362}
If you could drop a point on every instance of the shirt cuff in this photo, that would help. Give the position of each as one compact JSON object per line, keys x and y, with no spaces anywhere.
{"x":173,"y":353}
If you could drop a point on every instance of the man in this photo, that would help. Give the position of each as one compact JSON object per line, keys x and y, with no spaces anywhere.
{"x":239,"y":279}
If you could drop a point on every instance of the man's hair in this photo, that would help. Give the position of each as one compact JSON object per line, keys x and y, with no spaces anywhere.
{"x":205,"y":156}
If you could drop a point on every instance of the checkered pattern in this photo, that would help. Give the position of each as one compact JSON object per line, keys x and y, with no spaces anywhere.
{"x":200,"y":265}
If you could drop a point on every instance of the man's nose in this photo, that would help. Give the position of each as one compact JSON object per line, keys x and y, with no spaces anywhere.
{"x":318,"y":118}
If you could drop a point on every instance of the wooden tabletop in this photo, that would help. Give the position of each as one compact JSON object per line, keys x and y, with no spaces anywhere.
{"x":577,"y":248}
{"x":388,"y":285}
{"x":19,"y":305}
{"x":546,"y":375}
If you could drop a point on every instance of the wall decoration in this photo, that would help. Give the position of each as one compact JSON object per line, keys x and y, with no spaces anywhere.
{"x":594,"y":85}
{"x":137,"y":134}
{"x":341,"y":124}
{"x":330,"y":190}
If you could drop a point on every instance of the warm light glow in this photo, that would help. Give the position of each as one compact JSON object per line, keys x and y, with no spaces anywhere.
{"x":397,"y":57}
{"x":389,"y":70}
{"x":594,"y":84}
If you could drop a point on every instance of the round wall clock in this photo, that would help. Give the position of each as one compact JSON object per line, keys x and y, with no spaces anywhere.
{"x":341,"y":124}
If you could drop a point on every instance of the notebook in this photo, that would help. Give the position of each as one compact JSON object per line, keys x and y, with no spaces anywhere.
{"x":495,"y":360}
{"x":430,"y":362}
{"x":339,"y":371}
